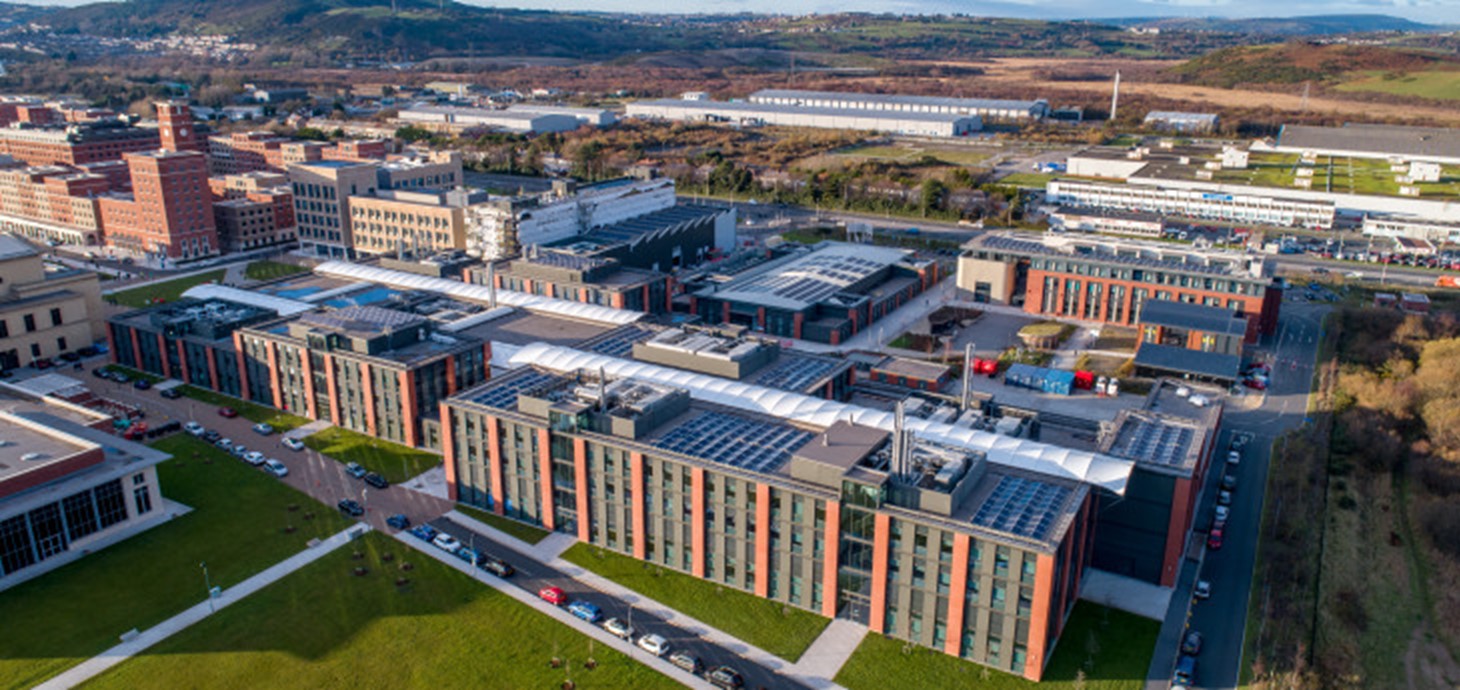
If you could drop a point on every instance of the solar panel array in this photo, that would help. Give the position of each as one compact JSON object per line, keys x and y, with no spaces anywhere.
{"x":819,"y":276}
{"x":1154,"y":442}
{"x":504,"y":395}
{"x":634,"y":228}
{"x":621,"y":343}
{"x":795,"y":373}
{"x":1022,"y":507}
{"x":566,"y":260}
{"x":1031,"y":247}
{"x":736,"y":441}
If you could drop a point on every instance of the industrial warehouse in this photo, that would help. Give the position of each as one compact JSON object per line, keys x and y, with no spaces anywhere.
{"x":917,"y":123}
{"x":993,"y":110}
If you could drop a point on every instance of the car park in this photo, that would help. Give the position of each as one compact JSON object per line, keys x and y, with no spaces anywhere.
{"x":726,"y":677}
{"x":618,"y":628}
{"x":446,"y":543}
{"x":1214,"y":539}
{"x":376,"y":481}
{"x":170,"y":393}
{"x":351,"y":507}
{"x":142,"y":384}
{"x":263,"y":429}
{"x":227,"y":412}
{"x":194,"y":429}
{"x":424,"y":532}
{"x":398,"y":521}
{"x":1191,"y":644}
{"x":355,"y":470}
{"x":654,"y":644}
{"x":552,"y":595}
{"x":1202,"y":591}
{"x":686,"y":661}
{"x":586,"y":611}
{"x":496,"y":566}
{"x":276,"y":468}
{"x":293,"y":444}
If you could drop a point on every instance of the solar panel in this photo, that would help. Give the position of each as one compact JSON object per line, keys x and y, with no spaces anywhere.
{"x":504,"y":395}
{"x":1022,"y":507}
{"x":796,"y":373}
{"x":620,"y":344}
{"x":736,"y":441}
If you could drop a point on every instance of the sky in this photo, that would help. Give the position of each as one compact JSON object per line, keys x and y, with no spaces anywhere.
{"x":1427,"y":11}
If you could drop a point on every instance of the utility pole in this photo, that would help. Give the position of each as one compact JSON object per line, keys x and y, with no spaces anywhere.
{"x":1115,"y":96}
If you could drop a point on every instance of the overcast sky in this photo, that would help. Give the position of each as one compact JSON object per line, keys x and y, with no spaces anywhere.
{"x":1428,"y":11}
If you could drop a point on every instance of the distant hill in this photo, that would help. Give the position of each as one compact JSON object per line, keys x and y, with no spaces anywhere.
{"x":1319,"y":25}
{"x":1297,"y":61}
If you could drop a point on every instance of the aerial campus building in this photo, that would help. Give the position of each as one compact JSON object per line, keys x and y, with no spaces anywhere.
{"x":994,"y":110}
{"x":910,"y":122}
{"x":1244,"y":207}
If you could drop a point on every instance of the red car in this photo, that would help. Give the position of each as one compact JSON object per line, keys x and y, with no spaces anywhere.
{"x":1214,"y":540}
{"x":1255,"y":383}
{"x":227,"y":412}
{"x":553,"y":595}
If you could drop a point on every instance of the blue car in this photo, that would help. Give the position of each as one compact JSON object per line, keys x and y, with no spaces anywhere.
{"x":467,"y":554}
{"x":398,"y":521}
{"x":424,"y":532}
{"x":586,"y":611}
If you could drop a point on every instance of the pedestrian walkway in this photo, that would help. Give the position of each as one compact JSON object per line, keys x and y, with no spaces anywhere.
{"x":826,"y":656}
{"x":309,"y":429}
{"x":100,"y":663}
{"x":432,"y":482}
{"x":523,"y":596}
{"x":546,"y":550}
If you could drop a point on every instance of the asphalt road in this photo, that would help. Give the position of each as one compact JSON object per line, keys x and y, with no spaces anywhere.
{"x":533,"y":575}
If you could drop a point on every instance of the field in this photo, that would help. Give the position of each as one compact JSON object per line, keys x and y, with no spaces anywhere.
{"x":521,"y":530}
{"x":270,"y":270}
{"x":254,"y":412}
{"x":1439,"y":84}
{"x":397,"y":463}
{"x":784,"y":631}
{"x":1030,"y":180}
{"x":910,"y":153}
{"x":236,"y":527}
{"x":1112,"y":647}
{"x":1340,"y":175}
{"x":168,"y":291}
{"x":429,"y":627}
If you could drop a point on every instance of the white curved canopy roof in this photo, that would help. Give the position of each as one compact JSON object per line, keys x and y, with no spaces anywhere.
{"x":283,"y":305}
{"x":479,"y":293}
{"x":1093,"y":468}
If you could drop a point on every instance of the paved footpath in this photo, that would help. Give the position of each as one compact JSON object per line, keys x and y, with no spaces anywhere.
{"x":100,"y":663}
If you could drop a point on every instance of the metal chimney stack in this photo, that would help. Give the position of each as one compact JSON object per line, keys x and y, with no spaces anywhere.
{"x":491,"y":285}
{"x":967,"y":374}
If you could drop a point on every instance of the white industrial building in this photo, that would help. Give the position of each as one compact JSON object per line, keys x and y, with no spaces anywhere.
{"x":596,"y":117}
{"x":1192,"y":203}
{"x":501,"y":228}
{"x":1412,"y":227}
{"x":1131,"y":223}
{"x":737,"y":112}
{"x":985,"y":108}
{"x":1185,"y":123}
{"x":456,"y":118}
{"x":1385,"y":142}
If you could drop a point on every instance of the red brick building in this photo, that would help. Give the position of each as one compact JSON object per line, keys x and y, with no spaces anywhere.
{"x":169,"y":210}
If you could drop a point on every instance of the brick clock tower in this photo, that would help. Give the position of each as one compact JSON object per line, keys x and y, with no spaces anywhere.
{"x":175,"y":126}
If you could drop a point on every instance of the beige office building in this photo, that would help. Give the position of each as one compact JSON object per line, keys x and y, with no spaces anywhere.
{"x":418,"y":222}
{"x":43,"y":313}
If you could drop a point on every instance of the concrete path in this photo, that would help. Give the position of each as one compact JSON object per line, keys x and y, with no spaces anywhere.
{"x":825,"y":657}
{"x":1126,"y":594}
{"x":309,"y":429}
{"x":432,"y":482}
{"x":546,"y":550}
{"x":558,"y":613}
{"x":100,"y":663}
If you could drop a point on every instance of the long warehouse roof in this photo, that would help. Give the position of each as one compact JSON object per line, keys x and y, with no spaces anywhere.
{"x":893,"y":98}
{"x":1093,"y":468}
{"x":479,"y":293}
{"x":742,"y":108}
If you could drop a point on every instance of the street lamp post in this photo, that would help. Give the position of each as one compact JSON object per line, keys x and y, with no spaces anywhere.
{"x":208,"y":587}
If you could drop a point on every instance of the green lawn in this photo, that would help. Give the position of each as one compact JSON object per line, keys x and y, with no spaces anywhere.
{"x":270,"y":270}
{"x":784,"y":631}
{"x":908,"y":153}
{"x":1031,"y":180}
{"x":254,"y":412}
{"x":521,"y":530}
{"x":236,"y":527}
{"x":1121,"y":657}
{"x":395,"y":462}
{"x":1441,"y":84}
{"x":325,"y":627}
{"x":133,"y":373}
{"x":169,"y":291}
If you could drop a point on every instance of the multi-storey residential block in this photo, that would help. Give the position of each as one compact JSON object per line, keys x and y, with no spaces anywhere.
{"x":418,"y":221}
{"x":501,"y":229}
{"x":76,"y":144}
{"x":43,"y":312}
{"x":53,"y":203}
{"x":168,"y":212}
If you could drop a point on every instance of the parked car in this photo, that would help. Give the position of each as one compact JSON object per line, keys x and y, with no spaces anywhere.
{"x":293,"y":444}
{"x":1191,"y":644}
{"x":355,"y":470}
{"x":101,"y":373}
{"x":43,"y":364}
{"x":618,"y":628}
{"x":398,"y":521}
{"x":686,"y":661}
{"x":263,"y":429}
{"x":496,"y":566}
{"x":1185,"y":670}
{"x":552,"y":595}
{"x":654,"y":644}
{"x":239,"y":450}
{"x":119,"y":377}
{"x":424,"y":532}
{"x":376,"y":481}
{"x":276,"y":468}
{"x":254,"y":457}
{"x":170,"y":393}
{"x":1223,"y":512}
{"x":351,"y":507}
{"x":446,"y":543}
{"x":224,"y":443}
{"x":227,"y":412}
{"x":468,"y":554}
{"x":726,"y":677}
{"x":1234,"y":457}
{"x":1203,"y":590}
{"x":586,"y":611}
{"x":194,"y":429}
{"x":1214,"y":539}
{"x":142,"y":384}
{"x":1229,"y":482}
{"x":1224,"y":498}
{"x":211,"y":436}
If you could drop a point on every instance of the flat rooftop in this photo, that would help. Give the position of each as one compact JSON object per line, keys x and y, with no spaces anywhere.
{"x":525,"y":327}
{"x":898,"y":99}
{"x":363,"y":322}
{"x":1197,"y":317}
{"x":810,"y":278}
{"x":743,"y":108}
{"x":643,"y":226}
{"x":1124,"y":252}
{"x":1375,"y":140}
{"x":1179,"y":360}
{"x":1165,"y":443}
{"x":26,"y":447}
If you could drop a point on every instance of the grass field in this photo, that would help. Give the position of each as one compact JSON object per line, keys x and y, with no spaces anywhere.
{"x":280,"y":420}
{"x":270,"y":270}
{"x":168,"y":291}
{"x":441,"y":629}
{"x":1340,"y":175}
{"x":521,"y":530}
{"x":395,"y":462}
{"x":134,"y":374}
{"x":909,"y":153}
{"x":1030,"y":180}
{"x":1122,"y":652}
{"x":784,"y":631}
{"x":236,"y":527}
{"x":1440,"y":84}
